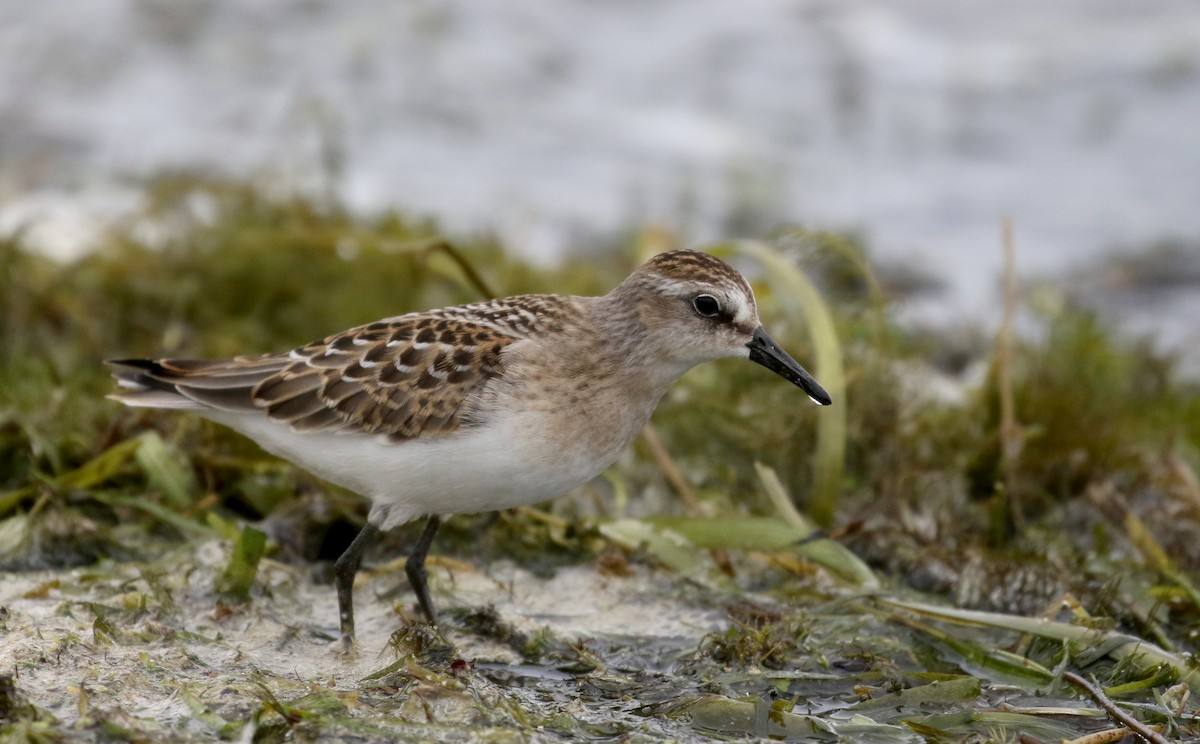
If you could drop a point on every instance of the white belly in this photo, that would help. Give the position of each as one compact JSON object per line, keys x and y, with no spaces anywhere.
{"x":498,"y":466}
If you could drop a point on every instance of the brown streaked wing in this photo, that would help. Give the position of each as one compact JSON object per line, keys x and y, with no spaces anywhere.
{"x":405,"y":378}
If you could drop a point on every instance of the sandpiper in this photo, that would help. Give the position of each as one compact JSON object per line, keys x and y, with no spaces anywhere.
{"x":477,"y":407}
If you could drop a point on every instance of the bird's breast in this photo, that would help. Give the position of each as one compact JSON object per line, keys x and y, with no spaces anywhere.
{"x":587,"y":414}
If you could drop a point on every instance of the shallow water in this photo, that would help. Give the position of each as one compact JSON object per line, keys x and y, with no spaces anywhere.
{"x":558,"y":127}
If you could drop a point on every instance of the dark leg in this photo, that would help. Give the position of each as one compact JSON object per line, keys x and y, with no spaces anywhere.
{"x":414,"y":568}
{"x":343,"y":574}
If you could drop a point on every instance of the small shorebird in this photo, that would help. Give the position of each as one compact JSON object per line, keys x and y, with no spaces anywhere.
{"x":477,"y":407}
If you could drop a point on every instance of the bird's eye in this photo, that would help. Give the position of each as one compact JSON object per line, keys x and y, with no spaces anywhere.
{"x":707,"y":305}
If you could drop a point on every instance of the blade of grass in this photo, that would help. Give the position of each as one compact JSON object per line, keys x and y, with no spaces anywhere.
{"x":10,"y":499}
{"x":239,"y":575}
{"x":670,"y":547}
{"x":800,"y":297}
{"x":781,"y":499}
{"x":1012,"y":437}
{"x":164,"y":471}
{"x":960,"y":689}
{"x":672,"y":471}
{"x":1144,"y":656}
{"x":160,"y":512}
{"x":762,"y":719}
{"x":101,"y":467}
{"x":473,"y":277}
{"x":955,"y":726}
{"x":997,"y":665}
{"x":768,"y":534}
{"x":828,"y":552}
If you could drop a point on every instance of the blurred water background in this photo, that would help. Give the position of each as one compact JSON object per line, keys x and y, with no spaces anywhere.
{"x":562,"y":126}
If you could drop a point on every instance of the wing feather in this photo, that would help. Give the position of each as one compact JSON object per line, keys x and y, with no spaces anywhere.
{"x":412,"y":376}
{"x":405,"y":378}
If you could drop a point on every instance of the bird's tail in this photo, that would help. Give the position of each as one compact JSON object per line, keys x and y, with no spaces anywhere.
{"x":224,"y":384}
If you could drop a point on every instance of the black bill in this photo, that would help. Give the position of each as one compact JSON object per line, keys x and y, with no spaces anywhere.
{"x":767,"y":353}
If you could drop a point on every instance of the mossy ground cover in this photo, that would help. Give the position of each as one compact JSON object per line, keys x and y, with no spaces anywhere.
{"x":165,"y":580}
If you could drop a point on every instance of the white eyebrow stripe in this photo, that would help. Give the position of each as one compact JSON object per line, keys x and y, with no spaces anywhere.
{"x":744,"y":311}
